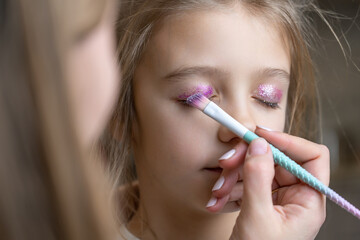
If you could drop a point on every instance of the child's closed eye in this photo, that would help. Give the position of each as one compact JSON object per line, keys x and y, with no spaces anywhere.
{"x":268,"y":95}
{"x":273,"y":105}
{"x":206,"y":90}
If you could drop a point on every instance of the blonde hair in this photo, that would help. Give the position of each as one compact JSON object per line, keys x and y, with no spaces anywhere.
{"x":134,"y":29}
{"x":49,"y":188}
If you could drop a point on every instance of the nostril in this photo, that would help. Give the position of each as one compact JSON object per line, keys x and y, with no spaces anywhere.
{"x":235,"y":141}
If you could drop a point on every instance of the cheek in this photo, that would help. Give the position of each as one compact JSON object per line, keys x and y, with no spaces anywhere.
{"x":168,"y":134}
{"x":277,"y":123}
{"x":273,"y":119}
{"x":162,"y":131}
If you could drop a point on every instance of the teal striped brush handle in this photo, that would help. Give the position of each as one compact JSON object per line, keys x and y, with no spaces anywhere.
{"x":284,"y":161}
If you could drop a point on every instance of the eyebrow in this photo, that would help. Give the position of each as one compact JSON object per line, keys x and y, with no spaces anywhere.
{"x":270,"y":72}
{"x":184,"y":72}
{"x":263,"y":73}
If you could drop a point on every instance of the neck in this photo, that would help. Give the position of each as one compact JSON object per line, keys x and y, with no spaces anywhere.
{"x":161,"y":220}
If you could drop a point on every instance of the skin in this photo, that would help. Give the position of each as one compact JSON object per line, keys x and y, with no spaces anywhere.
{"x":176,"y":147}
{"x":93,"y":80}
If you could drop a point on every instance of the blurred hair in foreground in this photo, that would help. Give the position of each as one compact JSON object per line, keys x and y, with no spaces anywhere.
{"x":50,"y":189}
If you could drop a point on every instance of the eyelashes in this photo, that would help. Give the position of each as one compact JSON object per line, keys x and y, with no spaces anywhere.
{"x":184,"y":101}
{"x":272,"y":105}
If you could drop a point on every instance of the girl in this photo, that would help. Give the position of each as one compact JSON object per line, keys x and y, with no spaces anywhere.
{"x":57,"y":57}
{"x":251,"y":58}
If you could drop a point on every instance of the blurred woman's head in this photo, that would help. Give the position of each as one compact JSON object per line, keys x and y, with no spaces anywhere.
{"x":58,"y":84}
{"x":91,"y":65}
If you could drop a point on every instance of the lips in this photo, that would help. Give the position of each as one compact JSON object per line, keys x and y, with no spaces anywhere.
{"x":214,"y":169}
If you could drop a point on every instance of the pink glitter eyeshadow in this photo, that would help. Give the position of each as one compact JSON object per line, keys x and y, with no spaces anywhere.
{"x":207,"y":91}
{"x":269,"y":93}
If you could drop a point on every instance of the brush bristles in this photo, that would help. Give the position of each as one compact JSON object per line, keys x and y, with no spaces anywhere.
{"x":198,"y":100}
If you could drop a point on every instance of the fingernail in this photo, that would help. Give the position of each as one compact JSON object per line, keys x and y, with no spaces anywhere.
{"x":228,"y":155}
{"x":211,"y":202}
{"x":219,"y":183}
{"x":264,"y":128}
{"x":258,"y":147}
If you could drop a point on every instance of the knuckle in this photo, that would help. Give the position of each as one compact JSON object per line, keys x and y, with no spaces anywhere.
{"x":323,"y":170}
{"x":287,"y":143}
{"x":250,"y":166}
{"x":324,"y":150}
{"x":226,"y":189}
{"x":255,"y":166}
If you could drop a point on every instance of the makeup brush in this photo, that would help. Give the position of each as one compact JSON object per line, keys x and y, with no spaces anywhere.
{"x":208,"y":107}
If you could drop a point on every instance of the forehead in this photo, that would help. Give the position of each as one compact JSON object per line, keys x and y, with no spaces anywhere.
{"x":216,"y":37}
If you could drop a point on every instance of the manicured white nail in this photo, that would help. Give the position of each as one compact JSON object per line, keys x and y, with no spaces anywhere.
{"x":212,"y":202}
{"x":228,"y":155}
{"x":264,"y":128}
{"x":219,"y":183}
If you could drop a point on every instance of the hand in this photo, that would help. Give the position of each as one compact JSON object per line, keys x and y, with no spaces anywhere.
{"x":293,"y":210}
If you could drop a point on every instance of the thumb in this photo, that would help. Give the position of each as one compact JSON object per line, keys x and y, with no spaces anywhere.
{"x":258,"y":175}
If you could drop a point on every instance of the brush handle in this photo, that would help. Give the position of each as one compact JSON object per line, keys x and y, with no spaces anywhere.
{"x":284,"y":161}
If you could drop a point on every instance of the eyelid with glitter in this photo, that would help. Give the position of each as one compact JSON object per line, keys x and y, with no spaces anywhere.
{"x":206,"y":90}
{"x":269,"y":95}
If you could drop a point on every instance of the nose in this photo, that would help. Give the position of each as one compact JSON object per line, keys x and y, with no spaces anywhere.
{"x":242,"y":114}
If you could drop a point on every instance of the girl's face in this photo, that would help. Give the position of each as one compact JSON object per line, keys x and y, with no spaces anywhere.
{"x":238,"y":61}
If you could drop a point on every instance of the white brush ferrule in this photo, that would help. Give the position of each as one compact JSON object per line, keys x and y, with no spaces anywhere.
{"x":219,"y":115}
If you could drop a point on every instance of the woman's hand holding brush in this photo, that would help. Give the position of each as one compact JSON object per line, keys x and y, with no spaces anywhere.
{"x":274,"y":203}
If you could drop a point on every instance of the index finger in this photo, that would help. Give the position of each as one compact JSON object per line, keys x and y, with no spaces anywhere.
{"x":299,"y":149}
